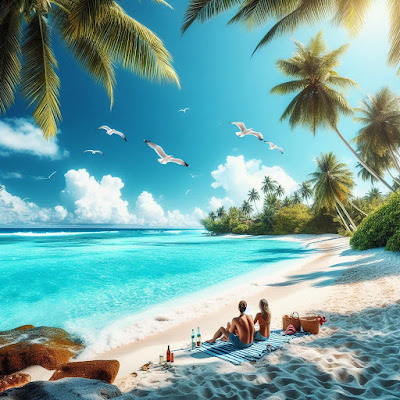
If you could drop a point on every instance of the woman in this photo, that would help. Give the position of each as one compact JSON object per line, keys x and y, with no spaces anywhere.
{"x":264,"y":320}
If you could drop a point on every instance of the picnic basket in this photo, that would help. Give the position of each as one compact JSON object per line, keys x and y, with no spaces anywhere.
{"x":293,"y":319}
{"x":311,"y":324}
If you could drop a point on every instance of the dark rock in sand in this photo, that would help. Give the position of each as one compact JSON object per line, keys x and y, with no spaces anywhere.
{"x":13,"y":381}
{"x":65,"y":389}
{"x":104,"y":370}
{"x":48,"y":347}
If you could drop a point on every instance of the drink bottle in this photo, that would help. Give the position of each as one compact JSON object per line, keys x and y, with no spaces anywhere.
{"x":193,"y":340}
{"x":198,"y":342}
{"x":168,"y":355}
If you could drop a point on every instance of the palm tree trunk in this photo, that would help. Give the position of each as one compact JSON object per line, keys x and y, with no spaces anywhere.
{"x":361,"y":211}
{"x":394,"y":159}
{"x":255,"y":205}
{"x":370,"y":170}
{"x":342,"y":219}
{"x":352,"y":223}
{"x":394,"y":179}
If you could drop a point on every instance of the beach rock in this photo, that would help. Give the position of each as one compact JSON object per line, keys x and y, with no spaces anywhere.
{"x":104,"y":370}
{"x":65,"y":389}
{"x":48,"y":347}
{"x":13,"y":381}
{"x":24,"y":327}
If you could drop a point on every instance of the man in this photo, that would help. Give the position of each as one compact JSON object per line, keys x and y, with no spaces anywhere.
{"x":242,"y":325}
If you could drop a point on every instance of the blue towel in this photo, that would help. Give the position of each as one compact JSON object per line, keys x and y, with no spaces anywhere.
{"x":226,"y":351}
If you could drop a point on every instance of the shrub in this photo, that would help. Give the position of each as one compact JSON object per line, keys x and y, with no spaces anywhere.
{"x":393,"y":244}
{"x":378,"y":227}
{"x":321,"y":223}
{"x":291,"y":219}
{"x":241,"y":229}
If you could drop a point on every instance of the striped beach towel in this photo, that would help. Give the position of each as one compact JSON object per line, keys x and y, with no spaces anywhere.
{"x":227,"y":352}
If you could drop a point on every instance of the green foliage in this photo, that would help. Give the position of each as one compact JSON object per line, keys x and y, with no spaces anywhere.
{"x":241,"y":229}
{"x":292,"y":219}
{"x":321,"y":222}
{"x":393,"y":244}
{"x":379,"y":227}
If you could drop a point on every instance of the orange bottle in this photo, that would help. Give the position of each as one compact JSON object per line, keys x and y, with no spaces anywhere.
{"x":168,"y":355}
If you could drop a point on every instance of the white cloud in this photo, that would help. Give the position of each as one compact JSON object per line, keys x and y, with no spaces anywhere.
{"x":217,"y":202}
{"x":21,"y":136}
{"x":11,"y":175}
{"x":237,"y":176}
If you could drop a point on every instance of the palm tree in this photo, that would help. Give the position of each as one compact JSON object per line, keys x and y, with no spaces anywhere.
{"x":379,"y":138}
{"x":272,"y":201}
{"x":99,"y":34}
{"x":306,"y":191}
{"x":286,"y":202}
{"x":254,"y":196}
{"x":246,"y":208}
{"x":291,"y":14}
{"x":316,"y":103}
{"x":296,"y":198}
{"x":269,"y":185}
{"x":374,"y":195}
{"x":212,"y":215}
{"x":279,"y":191}
{"x":221,"y":213}
{"x":333,"y":183}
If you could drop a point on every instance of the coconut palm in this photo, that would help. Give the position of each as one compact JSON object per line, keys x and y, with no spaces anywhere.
{"x":279,"y":191}
{"x":296,"y":198}
{"x":269,"y":185}
{"x":291,"y":14}
{"x":99,"y":34}
{"x":316,"y":103}
{"x":374,"y":195}
{"x":272,"y":201}
{"x":333,"y":183}
{"x":254,"y":196}
{"x":221,"y":213}
{"x":286,"y":202}
{"x":246,"y":208}
{"x":212,"y":215}
{"x":379,"y":138}
{"x":305,"y":191}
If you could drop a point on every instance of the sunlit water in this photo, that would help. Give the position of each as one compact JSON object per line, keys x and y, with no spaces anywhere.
{"x":86,"y":281}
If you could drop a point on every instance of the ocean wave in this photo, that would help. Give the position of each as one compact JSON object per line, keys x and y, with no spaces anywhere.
{"x":39,"y":234}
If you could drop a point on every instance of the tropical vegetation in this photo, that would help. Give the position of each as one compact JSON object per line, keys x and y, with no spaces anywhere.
{"x":99,"y":34}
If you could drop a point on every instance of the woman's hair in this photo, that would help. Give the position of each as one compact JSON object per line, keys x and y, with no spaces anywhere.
{"x":265,"y":311}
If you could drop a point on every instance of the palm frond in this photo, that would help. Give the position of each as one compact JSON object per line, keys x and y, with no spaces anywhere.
{"x":89,"y":54}
{"x":203,"y":10}
{"x":351,"y":14}
{"x":394,"y":32}
{"x":341,"y":82}
{"x":308,"y":11}
{"x":289,"y":87}
{"x":40,"y":83}
{"x":134,"y":45}
{"x":10,"y":65}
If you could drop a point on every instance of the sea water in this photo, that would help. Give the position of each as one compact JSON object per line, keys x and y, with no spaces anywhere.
{"x":89,"y":281}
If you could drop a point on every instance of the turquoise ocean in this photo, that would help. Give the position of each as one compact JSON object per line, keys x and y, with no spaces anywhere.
{"x":96,"y":282}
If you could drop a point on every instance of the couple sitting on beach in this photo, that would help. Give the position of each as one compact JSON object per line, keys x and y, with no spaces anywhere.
{"x":241,"y":331}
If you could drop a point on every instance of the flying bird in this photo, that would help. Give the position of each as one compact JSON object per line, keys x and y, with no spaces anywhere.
{"x":187,"y":191}
{"x":111,"y":131}
{"x":247,"y":131}
{"x":94,"y":152}
{"x":49,"y":177}
{"x":273,"y":146}
{"x":25,"y":198}
{"x":164,"y":158}
{"x":193,"y":176}
{"x":184,"y":110}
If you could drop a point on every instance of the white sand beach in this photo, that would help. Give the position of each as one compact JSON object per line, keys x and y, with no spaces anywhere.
{"x":356,"y":353}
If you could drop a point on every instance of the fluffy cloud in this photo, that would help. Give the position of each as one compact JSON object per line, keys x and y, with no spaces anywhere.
{"x":21,"y":136}
{"x":237,"y":176}
{"x":11,"y":175}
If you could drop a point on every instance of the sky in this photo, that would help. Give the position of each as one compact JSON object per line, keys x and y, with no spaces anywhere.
{"x":220,"y":82}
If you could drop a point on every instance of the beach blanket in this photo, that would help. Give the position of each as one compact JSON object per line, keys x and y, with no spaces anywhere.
{"x":227,"y":352}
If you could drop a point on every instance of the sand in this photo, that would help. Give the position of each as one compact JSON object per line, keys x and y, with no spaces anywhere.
{"x":356,"y":355}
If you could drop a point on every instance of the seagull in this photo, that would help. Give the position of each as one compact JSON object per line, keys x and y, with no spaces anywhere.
{"x":111,"y":131}
{"x":25,"y":198}
{"x":187,"y":191}
{"x":165,"y":159}
{"x":94,"y":152}
{"x":184,"y":110}
{"x":49,"y":177}
{"x":244,"y":131}
{"x":273,"y":146}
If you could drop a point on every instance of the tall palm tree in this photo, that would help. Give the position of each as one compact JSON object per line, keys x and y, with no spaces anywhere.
{"x":296,"y":198}
{"x":291,"y":14}
{"x":316,"y":103}
{"x":374,"y":195}
{"x":212,"y":215}
{"x":286,"y":202}
{"x":306,"y":191}
{"x":246,"y":208}
{"x":221,"y":213}
{"x":254,"y":196}
{"x":279,"y":191}
{"x":333,"y":183}
{"x":98,"y":33}
{"x":379,"y":138}
{"x":269,"y":185}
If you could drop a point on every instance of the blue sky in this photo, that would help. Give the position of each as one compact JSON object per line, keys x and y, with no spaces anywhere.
{"x":220,"y":83}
